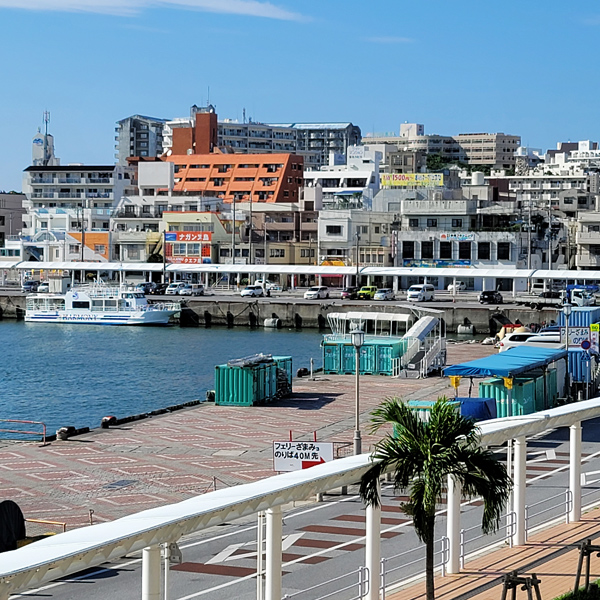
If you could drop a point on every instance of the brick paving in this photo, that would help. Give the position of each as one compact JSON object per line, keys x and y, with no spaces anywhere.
{"x":551,"y":554}
{"x":172,"y":457}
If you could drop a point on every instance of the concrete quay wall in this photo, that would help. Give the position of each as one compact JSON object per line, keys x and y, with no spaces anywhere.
{"x":313,"y":315}
{"x":296,"y":313}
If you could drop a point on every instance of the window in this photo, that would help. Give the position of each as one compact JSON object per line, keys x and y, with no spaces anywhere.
{"x":426,"y":249}
{"x":85,"y":305}
{"x":73,"y":248}
{"x":431,"y":222}
{"x":408,"y":249}
{"x":377,"y":229}
{"x":193,"y":249}
{"x":503,"y":250}
{"x":446,"y":250}
{"x":413,"y":222}
{"x":456,"y":222}
{"x":99,"y":248}
{"x":569,"y":200}
{"x":483,"y":251}
{"x":277,"y":253}
{"x":44,"y":224}
{"x":179,"y":249}
{"x":307,"y":253}
{"x":333,"y":229}
{"x":464,"y":250}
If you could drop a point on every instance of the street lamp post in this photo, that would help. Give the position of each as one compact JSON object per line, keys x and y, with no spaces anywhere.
{"x":567,"y":308}
{"x":358,"y":339}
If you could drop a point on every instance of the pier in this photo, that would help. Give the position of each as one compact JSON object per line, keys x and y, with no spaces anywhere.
{"x":293,"y":312}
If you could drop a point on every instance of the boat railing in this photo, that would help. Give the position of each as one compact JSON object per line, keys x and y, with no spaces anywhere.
{"x":175,"y":306}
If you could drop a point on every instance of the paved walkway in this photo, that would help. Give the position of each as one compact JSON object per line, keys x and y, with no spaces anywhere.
{"x":550,"y":554}
{"x":173,"y":457}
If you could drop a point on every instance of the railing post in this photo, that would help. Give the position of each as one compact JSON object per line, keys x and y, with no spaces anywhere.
{"x":575,"y":471}
{"x":151,"y":573}
{"x":273,"y":554}
{"x":526,"y":522}
{"x":383,"y":577}
{"x":462,"y":548}
{"x":519,"y":490}
{"x":373,"y":547}
{"x":568,"y":504}
{"x":453,"y":524}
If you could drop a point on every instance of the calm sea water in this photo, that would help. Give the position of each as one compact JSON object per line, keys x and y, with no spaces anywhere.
{"x":75,"y":374}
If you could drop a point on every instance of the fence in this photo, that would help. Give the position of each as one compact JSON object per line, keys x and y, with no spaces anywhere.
{"x":38,"y":527}
{"x":537,"y":514}
{"x":41,"y":433}
{"x":359,"y":588}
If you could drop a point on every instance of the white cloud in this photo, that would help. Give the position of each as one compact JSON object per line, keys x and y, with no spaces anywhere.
{"x":252,"y":8}
{"x":383,"y":39}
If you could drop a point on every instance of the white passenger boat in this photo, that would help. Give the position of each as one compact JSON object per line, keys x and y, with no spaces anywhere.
{"x":98,"y":304}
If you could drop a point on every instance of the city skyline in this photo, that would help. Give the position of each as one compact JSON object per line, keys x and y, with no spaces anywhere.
{"x":456,"y":68}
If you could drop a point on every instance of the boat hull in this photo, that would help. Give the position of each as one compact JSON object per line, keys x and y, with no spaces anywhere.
{"x":148,"y":317}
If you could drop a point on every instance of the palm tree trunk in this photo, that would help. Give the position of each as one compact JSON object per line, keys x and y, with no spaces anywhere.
{"x":429,"y":560}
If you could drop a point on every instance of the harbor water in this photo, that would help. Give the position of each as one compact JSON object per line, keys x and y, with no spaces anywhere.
{"x":74,"y":375}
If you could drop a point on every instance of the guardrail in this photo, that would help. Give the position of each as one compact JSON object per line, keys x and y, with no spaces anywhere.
{"x":23,"y":431}
{"x":361,"y":586}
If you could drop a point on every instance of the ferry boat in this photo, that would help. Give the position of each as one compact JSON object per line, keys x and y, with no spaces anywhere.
{"x":98,"y":304}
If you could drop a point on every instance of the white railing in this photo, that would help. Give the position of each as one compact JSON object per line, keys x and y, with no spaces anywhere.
{"x":430,"y":356}
{"x":386,"y":570}
{"x":568,"y":502}
{"x":509,"y":527}
{"x":359,"y":588}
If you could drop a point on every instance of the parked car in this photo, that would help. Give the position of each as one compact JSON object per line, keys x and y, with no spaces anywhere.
{"x":30,"y":286}
{"x":265,"y":283}
{"x":551,"y":294}
{"x":420,"y":292}
{"x":349,"y":293}
{"x":174,"y":288}
{"x":159,"y":289}
{"x":460,"y":286}
{"x":146,"y":287}
{"x":550,"y":339}
{"x":367,"y":292}
{"x":191,"y":289}
{"x":43,"y":288}
{"x":316,"y":292}
{"x":384,"y":294}
{"x":490,"y":297}
{"x":254,"y":291}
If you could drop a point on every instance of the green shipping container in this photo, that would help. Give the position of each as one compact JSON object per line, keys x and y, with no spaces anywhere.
{"x":494,"y":388}
{"x":245,"y":386}
{"x":331,"y":358}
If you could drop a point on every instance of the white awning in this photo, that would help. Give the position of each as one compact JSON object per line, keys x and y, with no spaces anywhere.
{"x":89,"y":266}
{"x":372,"y":316}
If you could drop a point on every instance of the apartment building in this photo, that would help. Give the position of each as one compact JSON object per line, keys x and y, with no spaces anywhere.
{"x":138,"y":136}
{"x":63,"y":201}
{"x":490,"y":149}
{"x":231,"y":178}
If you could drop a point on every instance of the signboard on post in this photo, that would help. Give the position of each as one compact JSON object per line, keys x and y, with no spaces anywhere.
{"x":576,"y":336}
{"x":294,"y":456}
{"x":595,"y":337}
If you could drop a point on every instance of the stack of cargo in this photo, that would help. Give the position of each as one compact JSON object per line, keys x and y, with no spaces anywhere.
{"x":253,"y":380}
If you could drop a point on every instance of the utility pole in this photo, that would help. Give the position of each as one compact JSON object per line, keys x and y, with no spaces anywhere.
{"x":250,"y":258}
{"x":529,"y":237}
{"x":357,"y":250}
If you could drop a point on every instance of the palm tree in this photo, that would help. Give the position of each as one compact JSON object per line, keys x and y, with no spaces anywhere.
{"x":421,"y":455}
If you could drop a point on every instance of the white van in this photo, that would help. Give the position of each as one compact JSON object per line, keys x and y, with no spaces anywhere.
{"x":420,"y":292}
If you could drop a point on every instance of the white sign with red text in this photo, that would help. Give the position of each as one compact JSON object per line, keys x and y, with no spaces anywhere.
{"x":293,"y":456}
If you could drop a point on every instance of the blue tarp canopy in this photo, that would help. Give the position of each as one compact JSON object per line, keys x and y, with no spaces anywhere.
{"x":507,"y":364}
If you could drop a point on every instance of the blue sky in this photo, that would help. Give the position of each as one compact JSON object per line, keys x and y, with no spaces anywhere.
{"x":467,"y":66}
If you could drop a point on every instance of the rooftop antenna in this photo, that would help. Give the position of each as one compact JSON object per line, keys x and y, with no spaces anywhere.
{"x":208,"y":97}
{"x":46,"y":121}
{"x":244,"y":113}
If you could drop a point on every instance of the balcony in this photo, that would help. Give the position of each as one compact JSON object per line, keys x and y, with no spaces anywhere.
{"x":587,"y":260}
{"x":69,"y":195}
{"x":41,"y":180}
{"x":48,"y":195}
{"x":99,"y":180}
{"x":588,"y":237}
{"x":98,"y":195}
{"x":69,"y":180}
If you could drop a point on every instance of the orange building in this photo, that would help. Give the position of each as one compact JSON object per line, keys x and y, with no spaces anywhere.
{"x":239,"y":177}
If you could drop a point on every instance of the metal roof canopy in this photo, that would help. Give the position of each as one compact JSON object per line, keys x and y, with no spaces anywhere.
{"x":73,"y":551}
{"x":87,"y":266}
{"x":371,"y":316}
{"x":507,"y":364}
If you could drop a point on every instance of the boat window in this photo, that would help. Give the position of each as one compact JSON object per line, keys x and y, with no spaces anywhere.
{"x":77,"y":304}
{"x":97,"y":305}
{"x":139,"y":295}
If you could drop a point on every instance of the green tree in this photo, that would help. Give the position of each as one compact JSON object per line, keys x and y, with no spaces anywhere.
{"x":435,"y":162}
{"x":421,"y":455}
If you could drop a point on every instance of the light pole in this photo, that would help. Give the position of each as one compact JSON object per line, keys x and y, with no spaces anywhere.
{"x":358,"y":339}
{"x":357,"y":250}
{"x":567,"y":308}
